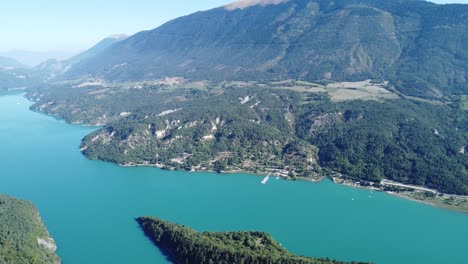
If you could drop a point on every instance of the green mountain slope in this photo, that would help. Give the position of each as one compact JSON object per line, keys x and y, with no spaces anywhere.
{"x":23,"y":237}
{"x":419,"y":46}
{"x":185,"y":245}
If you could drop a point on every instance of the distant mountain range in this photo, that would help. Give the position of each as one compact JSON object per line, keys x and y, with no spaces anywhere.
{"x":54,"y":67}
{"x":33,"y":58}
{"x":14,"y":75}
{"x":6,"y":62}
{"x":419,"y":46}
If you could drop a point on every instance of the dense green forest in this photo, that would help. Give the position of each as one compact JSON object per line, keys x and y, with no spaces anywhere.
{"x":20,"y":229}
{"x":187,"y":246}
{"x":415,"y":143}
{"x":265,"y":128}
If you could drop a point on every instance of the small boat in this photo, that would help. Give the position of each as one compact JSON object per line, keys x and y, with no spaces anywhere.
{"x":265,"y":180}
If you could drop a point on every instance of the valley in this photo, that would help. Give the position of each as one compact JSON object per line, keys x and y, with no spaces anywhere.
{"x":90,"y":206}
{"x":289,"y":99}
{"x":346,"y":101}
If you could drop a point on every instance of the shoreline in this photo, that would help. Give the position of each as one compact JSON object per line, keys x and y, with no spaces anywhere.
{"x":437,"y":201}
{"x":165,"y":167}
{"x":440,"y":205}
{"x":416,"y":195}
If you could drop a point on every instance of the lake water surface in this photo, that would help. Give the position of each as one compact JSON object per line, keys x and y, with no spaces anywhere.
{"x":89,"y":206}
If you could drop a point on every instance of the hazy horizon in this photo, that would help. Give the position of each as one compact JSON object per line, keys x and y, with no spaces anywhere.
{"x":68,"y":28}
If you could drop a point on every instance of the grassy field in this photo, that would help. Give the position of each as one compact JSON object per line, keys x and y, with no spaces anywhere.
{"x":340,"y":91}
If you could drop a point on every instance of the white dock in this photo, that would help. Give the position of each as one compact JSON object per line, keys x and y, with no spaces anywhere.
{"x":265,"y":180}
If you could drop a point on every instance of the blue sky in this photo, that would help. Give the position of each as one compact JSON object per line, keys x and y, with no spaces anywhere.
{"x":76,"y":25}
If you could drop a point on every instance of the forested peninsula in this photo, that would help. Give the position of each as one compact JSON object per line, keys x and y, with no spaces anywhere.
{"x":23,"y":237}
{"x":187,"y":246}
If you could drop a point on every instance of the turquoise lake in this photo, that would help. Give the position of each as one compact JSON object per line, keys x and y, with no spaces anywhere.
{"x":89,"y":206}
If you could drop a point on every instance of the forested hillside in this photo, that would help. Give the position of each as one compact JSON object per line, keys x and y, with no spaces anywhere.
{"x":187,"y":246}
{"x":414,"y":143}
{"x":23,"y":237}
{"x":291,"y":130}
{"x":417,"y":45}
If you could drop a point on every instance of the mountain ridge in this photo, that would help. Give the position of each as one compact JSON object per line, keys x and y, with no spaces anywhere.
{"x":415,"y":44}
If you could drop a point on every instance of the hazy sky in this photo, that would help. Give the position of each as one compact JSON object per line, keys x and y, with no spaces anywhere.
{"x":42,"y":25}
